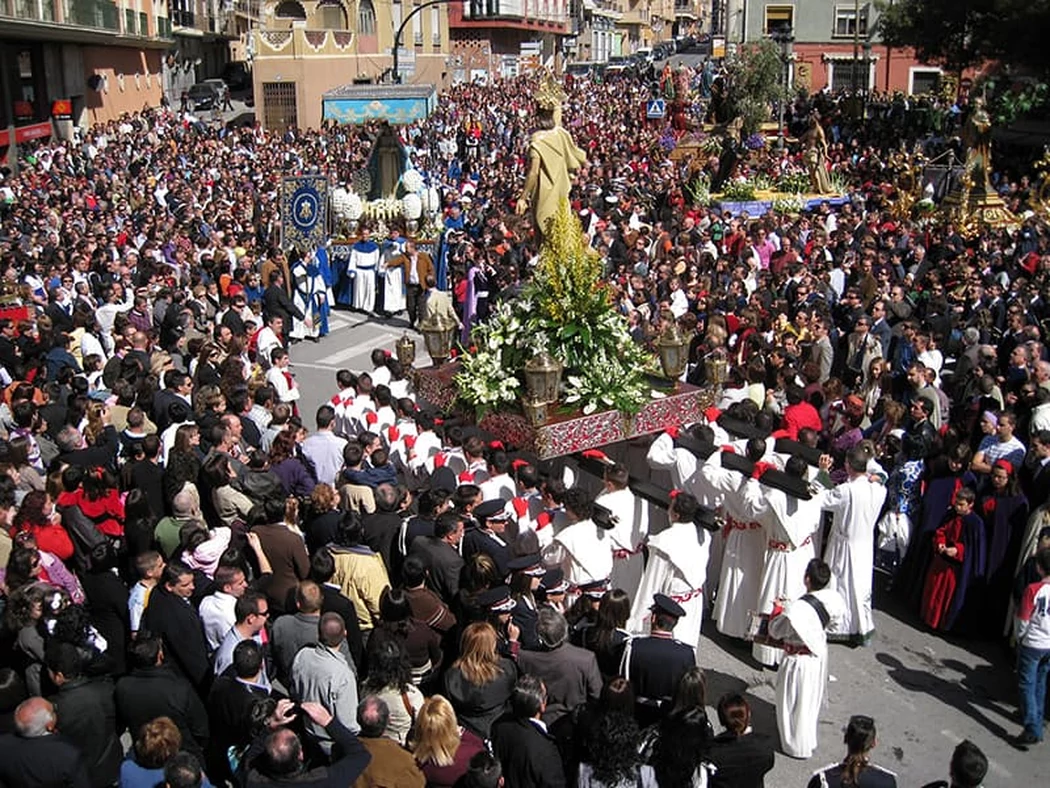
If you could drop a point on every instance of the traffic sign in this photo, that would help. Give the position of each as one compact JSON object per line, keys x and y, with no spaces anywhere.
{"x":655,"y":108}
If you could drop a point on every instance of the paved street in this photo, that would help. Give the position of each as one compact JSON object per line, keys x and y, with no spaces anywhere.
{"x":352,"y":339}
{"x":925,"y":693}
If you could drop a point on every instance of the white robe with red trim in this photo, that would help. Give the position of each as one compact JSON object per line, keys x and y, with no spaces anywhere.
{"x":677,"y":567}
{"x":632,"y":527}
{"x":744,"y":552}
{"x":802,"y":678}
{"x":583,"y":552}
{"x":789,"y":524}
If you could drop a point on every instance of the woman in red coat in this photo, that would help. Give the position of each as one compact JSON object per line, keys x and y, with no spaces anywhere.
{"x":37,"y":516}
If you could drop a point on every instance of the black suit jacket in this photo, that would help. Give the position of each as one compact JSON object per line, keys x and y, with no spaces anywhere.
{"x":478,"y":541}
{"x":1035,"y":483}
{"x":742,"y":761}
{"x":277,"y":303}
{"x":41,"y":763}
{"x":230,"y":704}
{"x":571,"y":675}
{"x":148,"y":693}
{"x":381,"y":529}
{"x":61,"y":320}
{"x":443,"y":562}
{"x":657,"y":665}
{"x":176,"y":621}
{"x":162,"y":400}
{"x":530,"y":757}
{"x":88,"y":717}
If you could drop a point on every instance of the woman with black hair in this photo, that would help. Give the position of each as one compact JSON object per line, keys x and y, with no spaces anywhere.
{"x":856,"y":770}
{"x":390,"y":680}
{"x":613,"y":760}
{"x":421,"y":644}
{"x":609,"y":635}
{"x":679,"y":757}
{"x":740,"y":756}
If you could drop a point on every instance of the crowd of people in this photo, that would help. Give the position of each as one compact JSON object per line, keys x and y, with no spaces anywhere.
{"x":376,"y":594}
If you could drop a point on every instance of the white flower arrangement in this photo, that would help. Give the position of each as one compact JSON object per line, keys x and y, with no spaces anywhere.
{"x":788,"y":205}
{"x":339,"y":196}
{"x":412,"y":181}
{"x":411,"y":206}
{"x":353,"y":207}
{"x":431,"y":201}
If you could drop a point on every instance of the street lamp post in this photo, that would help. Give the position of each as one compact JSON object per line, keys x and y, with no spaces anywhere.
{"x":781,"y":35}
{"x":856,"y":47}
{"x":395,"y":71}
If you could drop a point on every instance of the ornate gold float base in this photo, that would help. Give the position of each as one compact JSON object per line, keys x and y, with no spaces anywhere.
{"x":977,"y":209}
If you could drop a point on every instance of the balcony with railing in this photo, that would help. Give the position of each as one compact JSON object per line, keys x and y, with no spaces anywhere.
{"x":248,"y":8}
{"x":182,"y":18}
{"x":550,"y":15}
{"x":686,"y":9}
{"x":29,"y":10}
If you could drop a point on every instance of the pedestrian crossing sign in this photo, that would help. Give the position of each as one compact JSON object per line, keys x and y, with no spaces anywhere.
{"x":655,"y":108}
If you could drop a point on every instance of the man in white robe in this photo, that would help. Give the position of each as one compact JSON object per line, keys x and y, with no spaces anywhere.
{"x":630,"y":518}
{"x":677,"y":567}
{"x":744,"y":547}
{"x":311,"y":295}
{"x":803,"y":674}
{"x":362,"y":268}
{"x":392,"y":276}
{"x":789,"y":523}
{"x":855,"y":507}
{"x":581,"y":549}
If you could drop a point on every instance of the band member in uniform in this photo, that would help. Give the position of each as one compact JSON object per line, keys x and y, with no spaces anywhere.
{"x":527,"y":571}
{"x":654,"y":665}
{"x":498,"y":605}
{"x":487,"y":536}
{"x":856,"y":769}
{"x":553,"y":588}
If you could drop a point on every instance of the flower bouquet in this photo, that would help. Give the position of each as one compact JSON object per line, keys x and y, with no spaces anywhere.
{"x":567,"y":311}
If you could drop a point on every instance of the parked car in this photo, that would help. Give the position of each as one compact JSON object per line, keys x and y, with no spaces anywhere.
{"x":204,"y":96}
{"x":617,"y":64}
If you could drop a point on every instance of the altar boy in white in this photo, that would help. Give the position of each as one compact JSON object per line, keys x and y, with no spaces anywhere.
{"x":582,"y":548}
{"x":630,"y":518}
{"x":803,"y":674}
{"x":677,"y":567}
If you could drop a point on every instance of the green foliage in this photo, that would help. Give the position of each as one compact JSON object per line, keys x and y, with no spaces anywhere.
{"x":566,"y":311}
{"x":960,"y":35}
{"x":755,"y":81}
{"x":1010,"y":99}
{"x":738,"y":191}
{"x":793,"y":183}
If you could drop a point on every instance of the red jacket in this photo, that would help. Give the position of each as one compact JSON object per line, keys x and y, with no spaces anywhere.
{"x":798,"y":416}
